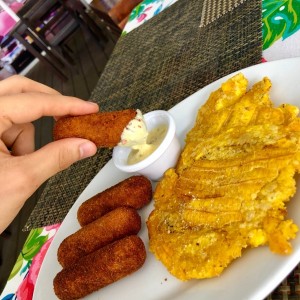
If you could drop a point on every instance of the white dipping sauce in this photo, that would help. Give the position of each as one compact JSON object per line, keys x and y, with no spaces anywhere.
{"x":135,"y":133}
{"x":142,"y":142}
{"x":141,"y":151}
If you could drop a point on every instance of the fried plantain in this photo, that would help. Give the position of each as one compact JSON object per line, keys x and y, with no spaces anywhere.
{"x":230,"y":187}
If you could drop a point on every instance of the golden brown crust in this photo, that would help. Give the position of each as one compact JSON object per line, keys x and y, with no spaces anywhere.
{"x":103,"y":128}
{"x":100,"y":268}
{"x":118,"y":223}
{"x":230,"y":187}
{"x":135,"y":192}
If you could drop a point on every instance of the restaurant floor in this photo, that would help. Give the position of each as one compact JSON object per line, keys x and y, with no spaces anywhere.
{"x":91,"y":56}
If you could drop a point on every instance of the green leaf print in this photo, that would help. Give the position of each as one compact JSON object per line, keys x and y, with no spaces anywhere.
{"x":17,"y":267}
{"x":33,"y":244}
{"x":138,"y":10}
{"x":281,"y":19}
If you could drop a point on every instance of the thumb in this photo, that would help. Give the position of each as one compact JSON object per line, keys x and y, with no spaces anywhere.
{"x":57,"y":156}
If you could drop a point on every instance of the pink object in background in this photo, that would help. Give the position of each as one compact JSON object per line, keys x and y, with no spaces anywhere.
{"x":6,"y":21}
{"x":26,"y":288}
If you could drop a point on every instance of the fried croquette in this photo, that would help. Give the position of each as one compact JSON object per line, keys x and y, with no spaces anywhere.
{"x":103,"y":128}
{"x":135,"y":192}
{"x":114,"y":225}
{"x":100,"y":268}
{"x":231,"y":184}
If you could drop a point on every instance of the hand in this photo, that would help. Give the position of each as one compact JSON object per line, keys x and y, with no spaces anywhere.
{"x":22,"y":170}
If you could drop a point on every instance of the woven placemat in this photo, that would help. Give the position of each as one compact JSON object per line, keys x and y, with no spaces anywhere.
{"x":154,"y":67}
{"x":214,"y":9}
{"x":289,"y":289}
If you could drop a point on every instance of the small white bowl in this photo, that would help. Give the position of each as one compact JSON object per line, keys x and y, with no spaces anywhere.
{"x":163,"y":158}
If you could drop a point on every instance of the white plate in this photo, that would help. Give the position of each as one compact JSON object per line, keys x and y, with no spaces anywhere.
{"x":253,"y":276}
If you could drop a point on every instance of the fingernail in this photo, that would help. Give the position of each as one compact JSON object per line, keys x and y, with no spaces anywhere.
{"x":92,"y":103}
{"x":87,"y":149}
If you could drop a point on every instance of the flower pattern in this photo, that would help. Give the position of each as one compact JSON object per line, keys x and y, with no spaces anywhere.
{"x":280,"y":19}
{"x":144,"y":12}
{"x":25,"y":290}
{"x":26,"y":269}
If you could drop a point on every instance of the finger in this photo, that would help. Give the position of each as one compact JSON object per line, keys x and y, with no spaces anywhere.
{"x":22,"y":175}
{"x":55,"y":157}
{"x":24,"y":108}
{"x":3,"y":148}
{"x":19,"y":84}
{"x":19,"y":139}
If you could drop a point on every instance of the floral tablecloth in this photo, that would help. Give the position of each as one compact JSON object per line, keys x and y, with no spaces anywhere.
{"x":281,"y":39}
